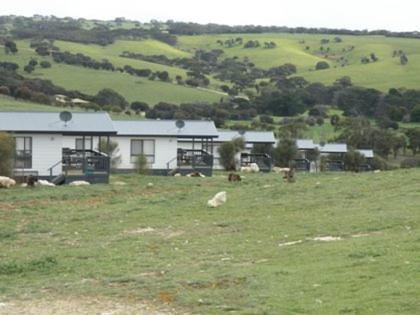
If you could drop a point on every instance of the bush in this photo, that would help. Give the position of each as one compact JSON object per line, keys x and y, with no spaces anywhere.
{"x":353,"y":160}
{"x":142,"y":166}
{"x":7,"y":153}
{"x":322,"y":65}
{"x":112,"y":150}
{"x":45,"y":64}
{"x":285,"y":152}
{"x":266,"y":119}
{"x":410,"y":163}
{"x":4,"y":90}
{"x":139,"y":106}
{"x":415,"y":114}
{"x":379,"y":163}
{"x":227,"y":152}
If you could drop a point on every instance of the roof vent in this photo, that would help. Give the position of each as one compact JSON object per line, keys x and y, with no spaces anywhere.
{"x":65,"y":117}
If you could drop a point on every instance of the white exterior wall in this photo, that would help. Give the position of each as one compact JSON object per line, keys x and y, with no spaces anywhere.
{"x":46,"y":151}
{"x":165,"y":150}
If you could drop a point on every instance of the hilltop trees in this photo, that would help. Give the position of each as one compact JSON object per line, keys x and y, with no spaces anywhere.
{"x":322,"y":65}
{"x":10,"y":47}
{"x":110,"y":97}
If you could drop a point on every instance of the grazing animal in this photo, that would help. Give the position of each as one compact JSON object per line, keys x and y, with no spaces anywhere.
{"x":44,"y":183}
{"x":6,"y":182}
{"x":79,"y":183}
{"x":218,"y":200}
{"x":234,"y":177}
{"x":31,"y":181}
{"x":252,"y":168}
{"x":195,"y":174}
{"x":289,"y":176}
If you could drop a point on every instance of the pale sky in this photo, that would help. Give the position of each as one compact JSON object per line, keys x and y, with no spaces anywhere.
{"x":396,"y":15}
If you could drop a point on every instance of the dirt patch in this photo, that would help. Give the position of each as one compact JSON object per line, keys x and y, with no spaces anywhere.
{"x":79,"y":305}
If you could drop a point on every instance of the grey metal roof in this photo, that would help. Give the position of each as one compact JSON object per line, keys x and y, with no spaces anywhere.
{"x":367,"y":153}
{"x":49,"y":122}
{"x":166,"y":128}
{"x":333,"y":148}
{"x":305,"y":144}
{"x":249,"y":136}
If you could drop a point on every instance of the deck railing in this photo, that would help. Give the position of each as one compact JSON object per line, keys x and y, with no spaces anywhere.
{"x":194,"y":159}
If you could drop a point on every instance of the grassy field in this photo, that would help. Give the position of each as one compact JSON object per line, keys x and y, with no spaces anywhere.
{"x":385,"y":73}
{"x":91,"y":81}
{"x":257,"y":254}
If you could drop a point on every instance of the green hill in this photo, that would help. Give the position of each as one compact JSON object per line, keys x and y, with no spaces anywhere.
{"x":91,"y":81}
{"x":387,"y":72}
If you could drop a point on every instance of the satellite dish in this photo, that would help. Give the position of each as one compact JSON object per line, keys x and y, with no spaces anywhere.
{"x":65,"y":117}
{"x":180,"y":124}
{"x":242,"y":132}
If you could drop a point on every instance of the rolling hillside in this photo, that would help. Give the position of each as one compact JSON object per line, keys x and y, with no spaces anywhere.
{"x":91,"y":81}
{"x":383,"y":74}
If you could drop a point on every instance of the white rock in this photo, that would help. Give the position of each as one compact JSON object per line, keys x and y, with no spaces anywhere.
{"x":45,"y":183}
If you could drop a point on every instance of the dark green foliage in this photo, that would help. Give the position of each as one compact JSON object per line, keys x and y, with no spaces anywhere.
{"x":142,"y":166}
{"x":403,"y":59}
{"x":29,"y":68}
{"x":353,"y":161}
{"x":266,"y":119}
{"x":139,"y":106}
{"x":10,"y":47}
{"x":322,"y":65}
{"x":415,"y":114}
{"x":7,"y":153}
{"x":42,"y":265}
{"x":110,"y":148}
{"x":379,"y":163}
{"x":410,"y":163}
{"x":413,"y":136}
{"x":228,"y":151}
{"x":45,"y":64}
{"x":285,"y":152}
{"x":110,"y":97}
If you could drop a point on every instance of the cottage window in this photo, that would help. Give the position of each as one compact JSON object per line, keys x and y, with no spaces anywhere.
{"x":23,"y":152}
{"x":145,"y":147}
{"x":88,"y":144}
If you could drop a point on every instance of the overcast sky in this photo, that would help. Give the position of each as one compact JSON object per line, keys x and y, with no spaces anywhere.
{"x":396,"y":15}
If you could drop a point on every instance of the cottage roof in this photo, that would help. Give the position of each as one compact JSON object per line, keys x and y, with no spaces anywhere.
{"x":49,"y":122}
{"x":166,"y":128}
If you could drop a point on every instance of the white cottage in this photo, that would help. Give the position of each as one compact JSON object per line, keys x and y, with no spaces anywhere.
{"x":41,"y":148}
{"x":158,"y":141}
{"x":251,"y":139}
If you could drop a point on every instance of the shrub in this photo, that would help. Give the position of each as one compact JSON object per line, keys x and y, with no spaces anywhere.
{"x":7,"y":152}
{"x":415,"y":114}
{"x":321,"y":65}
{"x":142,"y":166}
{"x":379,"y":163}
{"x":353,"y":160}
{"x":45,"y":64}
{"x":285,"y":152}
{"x":4,"y":90}
{"x":227,"y":152}
{"x":112,"y":150}
{"x":266,"y":119}
{"x":410,"y":163}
